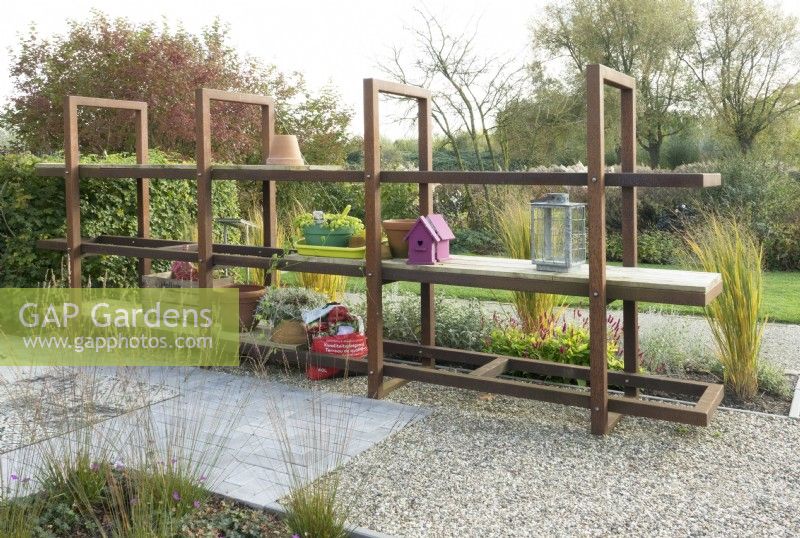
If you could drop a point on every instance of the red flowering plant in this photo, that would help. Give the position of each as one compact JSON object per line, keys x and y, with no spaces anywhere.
{"x":183,"y":270}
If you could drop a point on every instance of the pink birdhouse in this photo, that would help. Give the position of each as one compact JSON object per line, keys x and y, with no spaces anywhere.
{"x":429,"y":241}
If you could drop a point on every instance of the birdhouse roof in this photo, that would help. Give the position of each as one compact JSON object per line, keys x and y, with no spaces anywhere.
{"x":427,"y":226}
{"x":441,"y":227}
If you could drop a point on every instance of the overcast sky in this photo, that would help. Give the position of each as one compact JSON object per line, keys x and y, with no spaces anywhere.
{"x":337,"y":42}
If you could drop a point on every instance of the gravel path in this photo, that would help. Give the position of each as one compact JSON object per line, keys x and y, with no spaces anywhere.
{"x":534,"y":470}
{"x":482,"y":465}
{"x":496,"y":466}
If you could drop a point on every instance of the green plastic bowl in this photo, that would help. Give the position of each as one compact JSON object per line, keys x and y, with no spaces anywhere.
{"x":320,"y":236}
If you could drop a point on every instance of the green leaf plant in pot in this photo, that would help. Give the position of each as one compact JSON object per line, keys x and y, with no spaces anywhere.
{"x":329,"y":230}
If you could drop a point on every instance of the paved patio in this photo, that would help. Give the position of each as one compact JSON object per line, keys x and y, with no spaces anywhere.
{"x":262,"y":437}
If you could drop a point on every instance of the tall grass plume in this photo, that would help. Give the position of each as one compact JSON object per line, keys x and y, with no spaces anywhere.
{"x":535,"y":310}
{"x":724,"y":245}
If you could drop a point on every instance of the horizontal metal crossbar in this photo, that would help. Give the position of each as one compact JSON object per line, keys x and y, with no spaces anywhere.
{"x":574,"y":179}
{"x":489,"y":365}
{"x":337,"y":175}
{"x":162,"y":249}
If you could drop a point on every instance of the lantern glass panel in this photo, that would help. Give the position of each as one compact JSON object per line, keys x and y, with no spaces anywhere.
{"x":548,"y":232}
{"x":558,"y":233}
{"x":578,"y":234}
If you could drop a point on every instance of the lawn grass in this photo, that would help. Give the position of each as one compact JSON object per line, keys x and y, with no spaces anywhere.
{"x":781,"y":295}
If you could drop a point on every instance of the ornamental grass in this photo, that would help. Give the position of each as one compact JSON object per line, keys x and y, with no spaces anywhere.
{"x":535,"y":310}
{"x":724,"y":245}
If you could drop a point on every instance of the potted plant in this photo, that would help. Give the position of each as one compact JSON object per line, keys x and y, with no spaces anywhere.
{"x":330,"y":230}
{"x":282,"y":310}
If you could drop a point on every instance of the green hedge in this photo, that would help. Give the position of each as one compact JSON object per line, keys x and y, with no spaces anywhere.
{"x":32,"y":208}
{"x":654,"y":246}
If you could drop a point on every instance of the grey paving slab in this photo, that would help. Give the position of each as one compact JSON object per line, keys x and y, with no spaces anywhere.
{"x":264,"y":437}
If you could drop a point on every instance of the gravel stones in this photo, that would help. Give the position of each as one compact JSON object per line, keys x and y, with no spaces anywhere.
{"x":512,"y":467}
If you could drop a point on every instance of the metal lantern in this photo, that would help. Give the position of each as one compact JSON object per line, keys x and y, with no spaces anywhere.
{"x":558,"y":233}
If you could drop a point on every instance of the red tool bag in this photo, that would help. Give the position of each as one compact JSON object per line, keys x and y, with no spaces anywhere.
{"x":324,"y":339}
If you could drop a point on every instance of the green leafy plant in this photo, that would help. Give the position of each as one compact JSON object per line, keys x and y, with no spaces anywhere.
{"x":568,"y":344}
{"x":666,"y":350}
{"x":654,"y":246}
{"x":458,"y":325}
{"x":32,"y":208}
{"x":723,"y":245}
{"x":223,"y":518}
{"x":331,"y":221}
{"x":288,"y":303}
{"x":76,"y":479}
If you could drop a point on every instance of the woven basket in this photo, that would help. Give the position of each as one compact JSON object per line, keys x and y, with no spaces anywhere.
{"x":292,"y":332}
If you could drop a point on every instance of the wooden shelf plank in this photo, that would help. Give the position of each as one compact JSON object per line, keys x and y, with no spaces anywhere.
{"x":666,"y":286}
{"x":627,"y":283}
{"x":324,"y":265}
{"x":653,"y":179}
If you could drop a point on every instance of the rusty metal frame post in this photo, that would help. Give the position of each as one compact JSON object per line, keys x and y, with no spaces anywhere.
{"x":205,"y":228}
{"x":426,"y":291}
{"x":630,"y":315}
{"x":72,"y":177}
{"x":597,"y":77}
{"x":372,"y":224}
{"x":372,"y":203}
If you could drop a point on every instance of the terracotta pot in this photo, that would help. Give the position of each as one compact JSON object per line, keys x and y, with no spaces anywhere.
{"x":285,"y":150}
{"x":396,"y":230}
{"x":292,"y":332}
{"x":249,"y":296}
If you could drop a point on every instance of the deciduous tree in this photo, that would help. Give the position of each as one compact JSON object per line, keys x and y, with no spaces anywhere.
{"x":746,"y":60}
{"x":468,"y":89}
{"x":163,"y":66}
{"x":647,"y":39}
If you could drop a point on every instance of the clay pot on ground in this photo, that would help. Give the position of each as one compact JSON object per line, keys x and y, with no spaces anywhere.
{"x":292,"y":332}
{"x":249,"y":296}
{"x":396,"y":230}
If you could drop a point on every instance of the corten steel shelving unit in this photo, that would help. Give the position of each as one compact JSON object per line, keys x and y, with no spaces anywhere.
{"x":600,"y":283}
